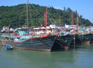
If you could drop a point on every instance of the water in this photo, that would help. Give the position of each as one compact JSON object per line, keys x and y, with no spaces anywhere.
{"x":81,"y":57}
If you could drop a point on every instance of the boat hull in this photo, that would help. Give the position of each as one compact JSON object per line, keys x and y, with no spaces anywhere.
{"x":68,"y":41}
{"x":86,"y":38}
{"x":43,"y":43}
{"x":65,"y":41}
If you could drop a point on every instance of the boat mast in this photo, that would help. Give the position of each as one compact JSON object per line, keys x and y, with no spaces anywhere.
{"x":9,"y":30}
{"x":46,"y":19}
{"x":72,"y":18}
{"x":59,"y":21}
{"x":27,"y":16}
{"x":77,"y":23}
{"x":46,"y":16}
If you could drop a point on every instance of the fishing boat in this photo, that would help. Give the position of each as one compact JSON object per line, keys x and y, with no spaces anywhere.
{"x":86,"y":37}
{"x":23,"y":39}
{"x":67,"y":40}
{"x":66,"y":37}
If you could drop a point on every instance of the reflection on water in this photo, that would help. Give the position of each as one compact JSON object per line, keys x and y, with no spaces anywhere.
{"x":80,"y":57}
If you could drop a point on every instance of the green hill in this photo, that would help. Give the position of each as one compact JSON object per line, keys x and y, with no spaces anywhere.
{"x":15,"y":16}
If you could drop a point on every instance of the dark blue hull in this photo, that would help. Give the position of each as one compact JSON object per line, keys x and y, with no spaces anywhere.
{"x":67,"y":41}
{"x":45,"y":43}
{"x":86,"y":38}
{"x":41,"y":43}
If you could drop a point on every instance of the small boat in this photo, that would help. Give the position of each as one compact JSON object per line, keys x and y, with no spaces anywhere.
{"x":8,"y":47}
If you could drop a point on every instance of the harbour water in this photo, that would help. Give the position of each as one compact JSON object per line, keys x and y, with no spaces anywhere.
{"x":81,"y":57}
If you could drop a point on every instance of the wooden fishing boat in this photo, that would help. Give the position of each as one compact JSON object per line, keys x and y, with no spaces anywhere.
{"x":86,"y":38}
{"x":23,"y":39}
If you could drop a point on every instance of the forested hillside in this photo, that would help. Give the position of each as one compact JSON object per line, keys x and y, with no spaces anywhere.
{"x":15,"y":16}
